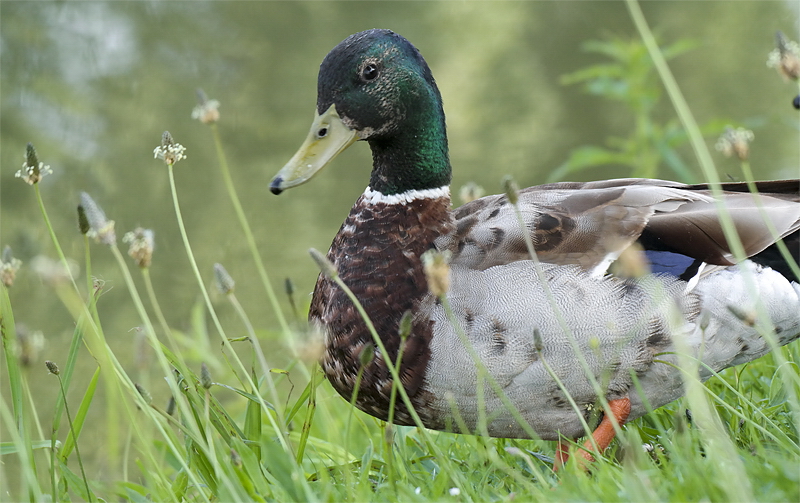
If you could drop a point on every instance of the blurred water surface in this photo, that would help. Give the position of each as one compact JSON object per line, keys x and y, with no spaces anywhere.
{"x":94,"y":84}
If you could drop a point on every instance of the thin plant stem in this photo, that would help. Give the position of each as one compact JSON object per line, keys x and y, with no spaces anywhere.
{"x":28,"y":482}
{"x":707,"y":165}
{"x":124,"y":381}
{"x":208,"y":432}
{"x":90,"y":290}
{"x":34,"y":413}
{"x":456,"y":476}
{"x":781,"y":437}
{"x":151,"y":294}
{"x":395,"y":384}
{"x":491,"y":380}
{"x":105,"y":356}
{"x":389,"y":442}
{"x":537,"y":265}
{"x":212,"y":312}
{"x":112,"y":398}
{"x":150,"y":331}
{"x":88,"y":316}
{"x":84,"y":317}
{"x":126,"y":453}
{"x":310,"y":411}
{"x":785,"y":253}
{"x":75,"y":436}
{"x":251,"y":242}
{"x":53,"y":237}
{"x":196,"y":429}
{"x":196,"y":270}
{"x":689,"y":124}
{"x":53,"y":461}
{"x":353,"y":398}
{"x":265,"y":368}
{"x":8,"y":334}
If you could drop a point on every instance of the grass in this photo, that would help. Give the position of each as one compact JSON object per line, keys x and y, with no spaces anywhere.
{"x":252,"y":432}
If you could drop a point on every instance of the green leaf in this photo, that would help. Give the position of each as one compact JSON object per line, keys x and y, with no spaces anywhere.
{"x":200,"y":463}
{"x":250,"y":396}
{"x":252,"y":424}
{"x":615,"y":48}
{"x":12,"y":448}
{"x":74,"y":482}
{"x":301,"y":400}
{"x":282,"y":468}
{"x":604,"y":71}
{"x":80,"y":416}
{"x":8,"y":333}
{"x":179,"y":485}
{"x":134,"y":492}
{"x":251,"y":465}
{"x":67,"y":371}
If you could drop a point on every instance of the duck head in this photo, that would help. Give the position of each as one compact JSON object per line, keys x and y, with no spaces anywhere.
{"x":375,"y":86}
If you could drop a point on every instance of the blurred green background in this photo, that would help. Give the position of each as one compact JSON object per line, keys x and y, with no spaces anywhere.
{"x":94,"y":84}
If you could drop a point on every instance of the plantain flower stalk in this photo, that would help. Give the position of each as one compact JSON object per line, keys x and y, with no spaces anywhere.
{"x":9,"y":267}
{"x":785,"y":57}
{"x":169,"y":151}
{"x":141,"y":242}
{"x":29,"y":344}
{"x":100,"y":227}
{"x":207,"y":111}
{"x":470,"y":192}
{"x":735,"y":142}
{"x":511,"y":189}
{"x":52,"y":367}
{"x":32,"y":170}
{"x":224,"y":281}
{"x":148,"y":398}
{"x":436,"y":266}
{"x":54,"y":272}
{"x":205,"y":376}
{"x":326,"y":267}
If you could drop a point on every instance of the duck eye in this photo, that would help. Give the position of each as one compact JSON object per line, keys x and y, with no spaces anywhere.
{"x":369,"y":72}
{"x":322,"y":132}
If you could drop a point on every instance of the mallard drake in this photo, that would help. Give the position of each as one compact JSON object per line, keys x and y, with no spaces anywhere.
{"x":527,"y":321}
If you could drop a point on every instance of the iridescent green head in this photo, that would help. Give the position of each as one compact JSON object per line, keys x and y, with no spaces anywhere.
{"x":375,"y":86}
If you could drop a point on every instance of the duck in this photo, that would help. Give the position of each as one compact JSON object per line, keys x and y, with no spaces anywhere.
{"x":519,"y":343}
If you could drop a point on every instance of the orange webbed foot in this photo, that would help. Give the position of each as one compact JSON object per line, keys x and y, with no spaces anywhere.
{"x":620,"y":408}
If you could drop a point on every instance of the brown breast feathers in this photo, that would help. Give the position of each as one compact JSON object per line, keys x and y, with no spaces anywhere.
{"x":377,"y":254}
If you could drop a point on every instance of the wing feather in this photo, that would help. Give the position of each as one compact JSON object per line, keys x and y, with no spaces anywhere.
{"x":586,"y":223}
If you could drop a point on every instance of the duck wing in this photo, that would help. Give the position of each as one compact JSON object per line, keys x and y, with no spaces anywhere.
{"x":590,"y":223}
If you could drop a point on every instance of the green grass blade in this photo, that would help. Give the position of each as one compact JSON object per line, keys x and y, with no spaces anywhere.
{"x":9,"y":335}
{"x":301,"y":400}
{"x":74,"y":482}
{"x":66,"y":373}
{"x":251,"y":469}
{"x":7,"y":448}
{"x":9,"y":339}
{"x":80,"y":416}
{"x":252,"y":426}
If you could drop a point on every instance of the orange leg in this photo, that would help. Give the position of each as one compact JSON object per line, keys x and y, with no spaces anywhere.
{"x":603,"y":435}
{"x":562,"y":455}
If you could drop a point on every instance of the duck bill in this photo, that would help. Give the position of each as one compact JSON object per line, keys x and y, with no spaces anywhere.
{"x":328,"y":137}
